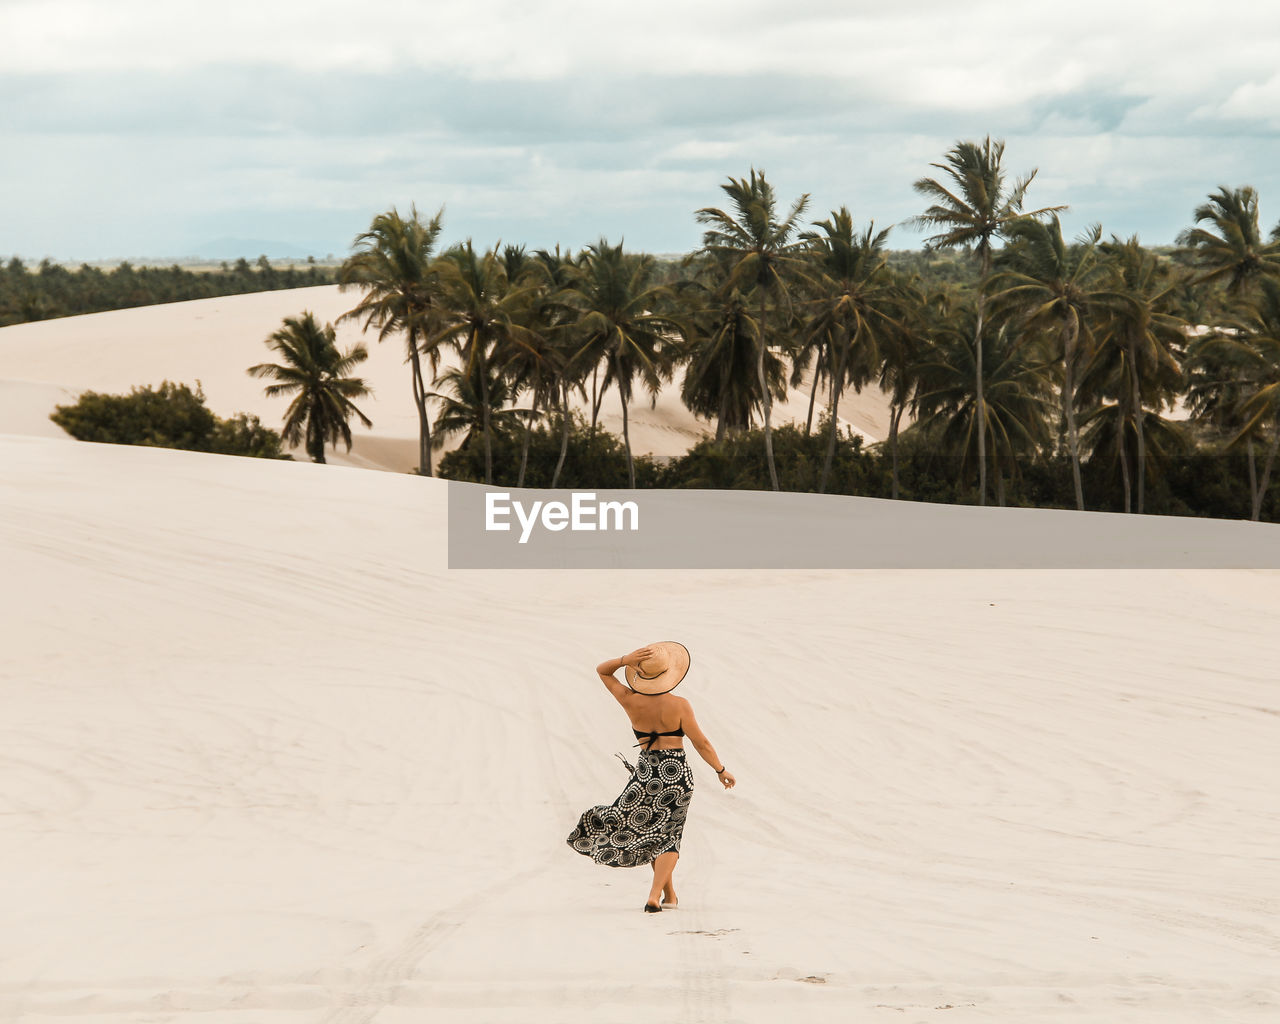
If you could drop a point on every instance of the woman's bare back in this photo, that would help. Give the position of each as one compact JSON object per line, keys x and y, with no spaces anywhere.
{"x":663,"y":713}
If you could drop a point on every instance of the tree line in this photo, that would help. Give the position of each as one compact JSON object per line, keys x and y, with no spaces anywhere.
{"x":1029,"y":354}
{"x":52,"y":290}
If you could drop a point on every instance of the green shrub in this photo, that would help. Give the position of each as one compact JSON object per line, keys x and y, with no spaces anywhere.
{"x":244,"y":434}
{"x":738,"y":463}
{"x":170,"y":416}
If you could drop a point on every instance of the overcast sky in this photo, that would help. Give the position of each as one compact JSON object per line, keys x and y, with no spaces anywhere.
{"x":147,"y":128}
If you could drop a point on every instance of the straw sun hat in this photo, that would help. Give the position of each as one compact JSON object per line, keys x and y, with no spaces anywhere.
{"x":662,"y":672}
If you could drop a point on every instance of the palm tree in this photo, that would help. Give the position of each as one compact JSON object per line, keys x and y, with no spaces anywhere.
{"x":617,"y":299}
{"x":1135,"y":358}
{"x":481,"y":311}
{"x":1263,"y":406}
{"x":516,"y":263}
{"x":898,"y":372}
{"x":1056,"y":290}
{"x":312,"y":366}
{"x":1234,"y":376}
{"x":1236,"y":253}
{"x":1016,"y":410}
{"x":553,"y":317}
{"x":1110,"y":428}
{"x":538,"y":365}
{"x":531,"y":368}
{"x":720,"y":378}
{"x":393,"y":265}
{"x":973,"y":211}
{"x":856,"y":308}
{"x":468,"y":404}
{"x":763,"y":256}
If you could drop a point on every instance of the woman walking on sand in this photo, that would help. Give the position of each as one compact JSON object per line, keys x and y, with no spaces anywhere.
{"x":645,"y":824}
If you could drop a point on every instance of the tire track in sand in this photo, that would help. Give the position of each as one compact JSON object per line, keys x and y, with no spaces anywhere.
{"x":384,"y":978}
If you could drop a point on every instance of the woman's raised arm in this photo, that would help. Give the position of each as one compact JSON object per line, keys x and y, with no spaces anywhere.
{"x":607,"y":671}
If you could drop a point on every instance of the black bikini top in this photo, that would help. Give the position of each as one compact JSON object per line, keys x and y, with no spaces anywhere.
{"x":652,"y":737}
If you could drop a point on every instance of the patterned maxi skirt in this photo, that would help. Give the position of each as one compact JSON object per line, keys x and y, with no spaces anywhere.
{"x":646,"y":820}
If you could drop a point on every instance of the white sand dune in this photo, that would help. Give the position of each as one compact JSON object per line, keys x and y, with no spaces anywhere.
{"x":214,"y":341}
{"x":25,"y":406}
{"x":265,"y":759}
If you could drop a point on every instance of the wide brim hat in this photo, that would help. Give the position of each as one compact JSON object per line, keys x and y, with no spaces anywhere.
{"x":662,"y":671}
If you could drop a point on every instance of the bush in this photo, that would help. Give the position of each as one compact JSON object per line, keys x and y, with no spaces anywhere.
{"x":244,"y":434}
{"x":739,"y":462}
{"x":170,"y":416}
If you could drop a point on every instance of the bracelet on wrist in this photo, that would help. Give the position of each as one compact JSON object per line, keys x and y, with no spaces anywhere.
{"x":721,"y":771}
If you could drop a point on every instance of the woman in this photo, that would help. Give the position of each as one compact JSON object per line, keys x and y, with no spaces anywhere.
{"x":645,"y":824}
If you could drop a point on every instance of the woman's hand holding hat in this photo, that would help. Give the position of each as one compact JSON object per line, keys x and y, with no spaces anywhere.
{"x":637,"y":656}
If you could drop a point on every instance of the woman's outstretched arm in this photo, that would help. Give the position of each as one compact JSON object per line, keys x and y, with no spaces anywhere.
{"x":703,"y":746}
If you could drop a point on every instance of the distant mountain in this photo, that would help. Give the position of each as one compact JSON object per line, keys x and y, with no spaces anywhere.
{"x":252,"y":248}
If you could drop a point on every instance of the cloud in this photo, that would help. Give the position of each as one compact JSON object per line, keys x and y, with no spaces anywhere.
{"x":1255,"y":101}
{"x":263,"y":100}
{"x":954,"y":55}
{"x":563,"y":120}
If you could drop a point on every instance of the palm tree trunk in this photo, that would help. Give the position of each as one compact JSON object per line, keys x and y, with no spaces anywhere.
{"x":1255,"y":496}
{"x":626,"y":433}
{"x":837,"y":385}
{"x":1266,"y":472}
{"x":1124,"y":461}
{"x":895,"y":414}
{"x":982,"y":407}
{"x":420,"y":403}
{"x":528,"y":430}
{"x":597,"y":396}
{"x":564,"y":431}
{"x":813,"y":392}
{"x":315,"y":442}
{"x":1069,"y":407}
{"x":1141,"y":456}
{"x":768,"y":405}
{"x":484,"y":406}
{"x":724,"y":409}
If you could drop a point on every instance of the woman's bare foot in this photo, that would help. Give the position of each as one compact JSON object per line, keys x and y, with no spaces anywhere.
{"x":669,"y":896}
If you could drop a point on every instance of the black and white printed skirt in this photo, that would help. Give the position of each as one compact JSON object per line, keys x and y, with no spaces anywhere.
{"x":646,"y":820}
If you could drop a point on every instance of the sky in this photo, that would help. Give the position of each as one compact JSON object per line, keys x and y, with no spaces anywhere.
{"x":146,"y":129}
